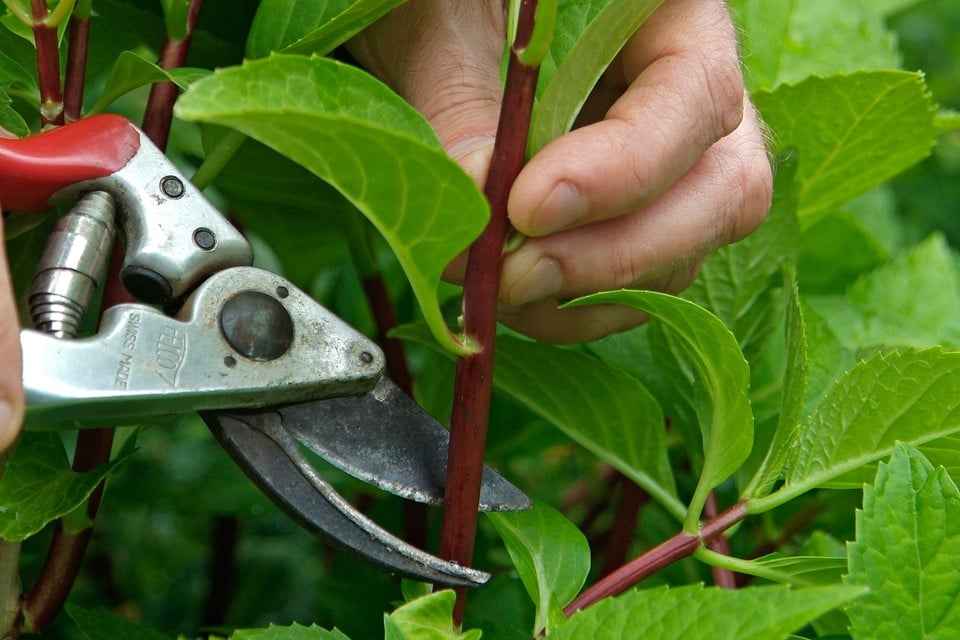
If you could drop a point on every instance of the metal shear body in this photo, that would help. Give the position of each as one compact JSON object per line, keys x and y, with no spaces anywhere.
{"x":269,"y":369}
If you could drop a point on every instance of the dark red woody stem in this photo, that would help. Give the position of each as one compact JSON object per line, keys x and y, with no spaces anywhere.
{"x":474,"y":375}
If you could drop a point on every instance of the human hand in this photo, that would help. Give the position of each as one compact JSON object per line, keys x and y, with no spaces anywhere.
{"x":11,"y":364}
{"x":668,"y":162}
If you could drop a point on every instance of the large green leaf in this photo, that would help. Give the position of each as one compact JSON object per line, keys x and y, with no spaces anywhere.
{"x":723,"y":383}
{"x":586,"y":40}
{"x":792,"y":396}
{"x":38,"y":485}
{"x":551,"y":556}
{"x":912,"y":301}
{"x":353,"y":132}
{"x":852,"y":132}
{"x":607,"y":411}
{"x":311,"y":26}
{"x":907,"y":552}
{"x":765,"y":613}
{"x":429,"y":617}
{"x":910,"y":396}
{"x":789,"y":40}
{"x":132,"y":71}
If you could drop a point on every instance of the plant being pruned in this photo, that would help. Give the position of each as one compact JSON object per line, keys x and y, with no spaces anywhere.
{"x":816,"y":356}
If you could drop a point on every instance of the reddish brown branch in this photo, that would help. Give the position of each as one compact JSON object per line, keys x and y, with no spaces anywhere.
{"x":73,"y":83}
{"x":67,"y":549}
{"x":723,"y":578}
{"x":617,"y":544}
{"x":676,"y":548}
{"x":474,"y":374}
{"x":159,"y":111}
{"x":48,"y":66}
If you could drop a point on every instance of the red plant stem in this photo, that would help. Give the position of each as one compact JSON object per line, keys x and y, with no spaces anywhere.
{"x":73,"y":82}
{"x":723,"y":578}
{"x":676,"y":548}
{"x":48,"y":66}
{"x":474,"y":373}
{"x":632,"y":498}
{"x":159,"y":111}
{"x":67,"y":549}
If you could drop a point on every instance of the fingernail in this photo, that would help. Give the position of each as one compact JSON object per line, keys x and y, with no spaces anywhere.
{"x":564,"y":207}
{"x":544,"y":280}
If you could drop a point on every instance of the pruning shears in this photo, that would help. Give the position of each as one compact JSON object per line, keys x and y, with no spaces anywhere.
{"x":273,"y":374}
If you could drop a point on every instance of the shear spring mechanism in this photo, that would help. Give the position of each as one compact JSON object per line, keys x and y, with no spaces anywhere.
{"x":72,"y":266}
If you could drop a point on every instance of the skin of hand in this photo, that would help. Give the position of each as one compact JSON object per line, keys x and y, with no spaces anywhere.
{"x":11,"y":373}
{"x":666,"y":163}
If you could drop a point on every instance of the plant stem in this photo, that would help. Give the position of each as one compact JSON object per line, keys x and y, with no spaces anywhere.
{"x":680,"y":546}
{"x":9,"y":578}
{"x":73,"y":82}
{"x":217,"y":159}
{"x":722,"y":577}
{"x":48,"y":66}
{"x":474,"y":373}
{"x":173,"y":53}
{"x":67,"y":548}
{"x":617,"y":545}
{"x":94,"y":445}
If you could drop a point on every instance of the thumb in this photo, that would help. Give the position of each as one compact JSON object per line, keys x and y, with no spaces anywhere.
{"x":11,"y":364}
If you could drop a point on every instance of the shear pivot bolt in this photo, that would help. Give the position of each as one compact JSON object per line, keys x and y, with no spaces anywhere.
{"x":256,"y":326}
{"x":204,"y":238}
{"x":171,"y":186}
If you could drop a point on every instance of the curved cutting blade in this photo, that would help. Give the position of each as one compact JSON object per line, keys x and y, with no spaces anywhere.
{"x":271,"y":457}
{"x":385,"y":439}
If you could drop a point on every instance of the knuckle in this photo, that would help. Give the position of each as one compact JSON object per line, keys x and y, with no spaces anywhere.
{"x":750,"y":185}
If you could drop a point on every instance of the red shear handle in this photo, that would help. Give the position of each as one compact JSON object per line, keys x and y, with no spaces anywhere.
{"x":35,"y":168}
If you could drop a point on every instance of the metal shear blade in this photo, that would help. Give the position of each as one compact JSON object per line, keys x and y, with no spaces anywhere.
{"x":270,"y":455}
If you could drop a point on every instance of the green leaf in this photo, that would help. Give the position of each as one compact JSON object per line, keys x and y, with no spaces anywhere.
{"x":907,"y":551}
{"x":10,"y":120}
{"x":311,"y":26}
{"x":835,"y":249}
{"x":38,"y":485}
{"x":585,"y":43}
{"x":765,"y":613}
{"x":890,"y":7}
{"x":817,"y":570}
{"x":132,"y":71}
{"x":175,"y":14}
{"x":100,"y":625}
{"x":723,"y":402}
{"x":912,"y":301}
{"x":789,"y":40}
{"x":295,"y":211}
{"x":292,"y":632}
{"x":851,"y":132}
{"x":428,"y":618}
{"x":354,"y":133}
{"x":551,"y":555}
{"x":607,"y":411}
{"x":793,"y":394}
{"x":910,"y":396}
